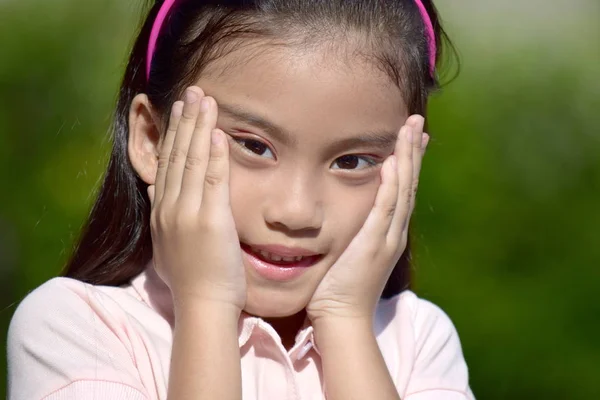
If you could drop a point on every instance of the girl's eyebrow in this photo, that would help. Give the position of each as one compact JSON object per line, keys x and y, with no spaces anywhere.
{"x":380,"y":139}
{"x":239,"y":113}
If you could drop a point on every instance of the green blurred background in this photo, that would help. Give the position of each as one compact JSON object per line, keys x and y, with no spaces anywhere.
{"x":507,"y":225}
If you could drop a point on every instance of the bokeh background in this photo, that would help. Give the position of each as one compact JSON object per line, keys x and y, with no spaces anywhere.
{"x":507,"y":221}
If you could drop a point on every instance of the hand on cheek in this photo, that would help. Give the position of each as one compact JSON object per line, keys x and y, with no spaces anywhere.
{"x":353,"y":285}
{"x":194,"y":241}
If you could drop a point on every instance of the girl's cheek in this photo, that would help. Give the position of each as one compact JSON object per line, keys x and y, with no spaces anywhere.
{"x":349,"y":207}
{"x":248,"y":188}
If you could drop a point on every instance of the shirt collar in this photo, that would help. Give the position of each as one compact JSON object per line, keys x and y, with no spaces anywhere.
{"x":154,"y":292}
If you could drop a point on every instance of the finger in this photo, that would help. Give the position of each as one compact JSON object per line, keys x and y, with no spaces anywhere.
{"x":165,"y":151}
{"x":183,"y":136}
{"x":424,"y":143}
{"x":404,"y":152}
{"x":417,"y":122}
{"x":198,"y":154}
{"x":216,"y":180}
{"x":379,"y":220}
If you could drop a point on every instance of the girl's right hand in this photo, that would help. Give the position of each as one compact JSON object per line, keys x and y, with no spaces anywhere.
{"x":196,"y":249}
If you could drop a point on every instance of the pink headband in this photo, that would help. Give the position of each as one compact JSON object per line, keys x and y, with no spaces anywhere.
{"x":430,"y":36}
{"x":168,"y":4}
{"x":158,"y":22}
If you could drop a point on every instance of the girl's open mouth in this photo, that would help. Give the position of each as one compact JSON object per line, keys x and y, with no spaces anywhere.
{"x":279,"y":263}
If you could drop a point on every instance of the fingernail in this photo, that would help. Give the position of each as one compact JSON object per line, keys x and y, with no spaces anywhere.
{"x":190,"y":96}
{"x":204,"y":105}
{"x":177,"y":109}
{"x":393,"y":161}
{"x":215,"y":137}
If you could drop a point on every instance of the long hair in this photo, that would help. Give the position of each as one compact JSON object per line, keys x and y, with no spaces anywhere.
{"x":115,"y":243}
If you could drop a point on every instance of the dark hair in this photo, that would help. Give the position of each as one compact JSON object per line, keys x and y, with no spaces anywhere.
{"x":115,"y":244}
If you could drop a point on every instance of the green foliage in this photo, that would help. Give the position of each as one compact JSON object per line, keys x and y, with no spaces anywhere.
{"x":506,"y":225}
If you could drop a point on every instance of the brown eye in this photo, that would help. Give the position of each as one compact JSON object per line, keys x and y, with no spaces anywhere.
{"x":353,"y":162}
{"x":347,"y":162}
{"x":255,"y":147}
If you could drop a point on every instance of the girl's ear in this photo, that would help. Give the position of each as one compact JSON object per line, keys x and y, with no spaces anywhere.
{"x":144,"y":138}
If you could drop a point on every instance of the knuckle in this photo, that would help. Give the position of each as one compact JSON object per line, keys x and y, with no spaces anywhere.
{"x":162,"y":219}
{"x":400,"y":247}
{"x":415,"y":186}
{"x":153,"y":223}
{"x":415,"y":183}
{"x":389,"y":210}
{"x":213,"y":178}
{"x":403,"y":241}
{"x":177,"y":156}
{"x":193,"y":162}
{"x":208,"y":223}
{"x":407,"y":194}
{"x":187,"y":118}
{"x":372,"y":249}
{"x":163,"y":162}
{"x":158,"y":220}
{"x":182,"y":220}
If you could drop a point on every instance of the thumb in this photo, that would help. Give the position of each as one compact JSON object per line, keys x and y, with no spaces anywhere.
{"x":216,"y":180}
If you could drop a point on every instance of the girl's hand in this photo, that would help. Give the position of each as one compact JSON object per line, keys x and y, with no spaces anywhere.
{"x":196,"y":249}
{"x":353,"y":285}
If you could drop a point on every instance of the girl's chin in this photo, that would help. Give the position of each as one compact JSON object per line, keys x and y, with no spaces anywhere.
{"x":275,"y":305}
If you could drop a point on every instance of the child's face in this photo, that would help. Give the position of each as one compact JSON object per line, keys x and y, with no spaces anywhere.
{"x":312,"y":185}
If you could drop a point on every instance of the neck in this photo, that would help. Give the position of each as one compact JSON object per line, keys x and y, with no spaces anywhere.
{"x":288,"y":327}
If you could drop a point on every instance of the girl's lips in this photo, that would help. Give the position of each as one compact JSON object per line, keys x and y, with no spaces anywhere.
{"x":279,"y":270}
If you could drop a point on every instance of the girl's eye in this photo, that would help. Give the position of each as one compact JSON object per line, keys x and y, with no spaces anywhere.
{"x":255,"y":147}
{"x":353,"y":162}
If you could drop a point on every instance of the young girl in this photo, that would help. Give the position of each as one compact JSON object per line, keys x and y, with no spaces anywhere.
{"x":250,"y":239}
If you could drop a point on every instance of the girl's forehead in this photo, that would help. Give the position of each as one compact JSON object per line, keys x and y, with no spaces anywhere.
{"x":271,"y":63}
{"x":301,"y":90}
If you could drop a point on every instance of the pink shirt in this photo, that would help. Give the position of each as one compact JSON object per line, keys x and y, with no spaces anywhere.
{"x":70,"y":340}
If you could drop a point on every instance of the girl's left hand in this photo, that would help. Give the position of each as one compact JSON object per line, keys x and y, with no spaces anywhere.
{"x":353,"y":285}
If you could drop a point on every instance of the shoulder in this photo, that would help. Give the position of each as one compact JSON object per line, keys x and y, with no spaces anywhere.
{"x":57,"y":289}
{"x":57,"y":296}
{"x":409,"y":311}
{"x":63,"y":311}
{"x":67,"y":331}
{"x":428,"y":318}
{"x":60,"y":300}
{"x":65,"y":307}
{"x":423,"y":348}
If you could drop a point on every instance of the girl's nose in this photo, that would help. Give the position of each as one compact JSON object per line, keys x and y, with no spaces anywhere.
{"x":295,"y":206}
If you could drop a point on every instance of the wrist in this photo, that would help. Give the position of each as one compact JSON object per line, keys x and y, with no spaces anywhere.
{"x":206,"y":308}
{"x":363,"y":372}
{"x":337,"y":323}
{"x":334,"y":315}
{"x":204,"y":295}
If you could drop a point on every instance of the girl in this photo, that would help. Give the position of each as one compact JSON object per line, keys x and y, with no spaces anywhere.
{"x":255,"y":210}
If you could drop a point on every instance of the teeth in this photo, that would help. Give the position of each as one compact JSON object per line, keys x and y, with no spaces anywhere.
{"x":275,"y":257}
